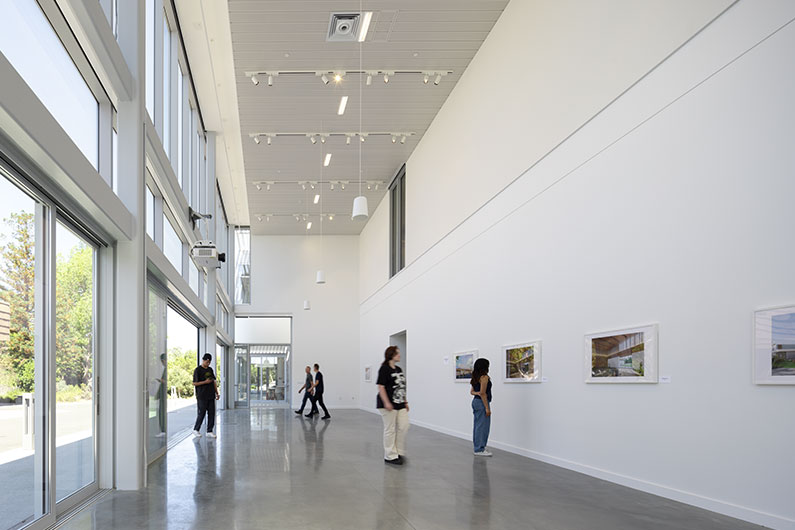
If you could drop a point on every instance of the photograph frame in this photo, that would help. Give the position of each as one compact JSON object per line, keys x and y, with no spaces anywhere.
{"x":763,"y":345}
{"x":368,"y":374}
{"x":537,"y":362}
{"x":475,"y":357}
{"x":650,"y":356}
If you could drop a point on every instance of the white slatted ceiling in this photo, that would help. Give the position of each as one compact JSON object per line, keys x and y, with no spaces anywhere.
{"x":291,"y":35}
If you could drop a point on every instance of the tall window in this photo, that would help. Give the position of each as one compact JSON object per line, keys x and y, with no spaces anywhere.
{"x":180,"y":123}
{"x":32,"y":47}
{"x":397,"y":223}
{"x":172,"y":244}
{"x":166,"y":86}
{"x":242,"y":265}
{"x":150,"y":58}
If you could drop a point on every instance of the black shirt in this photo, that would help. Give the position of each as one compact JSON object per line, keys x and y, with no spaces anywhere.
{"x":476,"y":388}
{"x":203,"y":374}
{"x":319,"y":381}
{"x":394,"y":382}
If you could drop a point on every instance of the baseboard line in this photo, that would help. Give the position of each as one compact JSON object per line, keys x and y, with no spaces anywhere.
{"x":714,"y":505}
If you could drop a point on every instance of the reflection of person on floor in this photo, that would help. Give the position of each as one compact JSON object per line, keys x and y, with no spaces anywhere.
{"x":317,"y":389}
{"x":161,"y":396}
{"x":206,"y":483}
{"x":313,"y":441}
{"x":308,"y":395}
{"x":481,"y":408}
{"x":391,"y":403}
{"x":204,"y":383}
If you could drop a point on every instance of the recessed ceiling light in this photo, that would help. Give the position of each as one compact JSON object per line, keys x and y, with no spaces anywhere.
{"x":368,"y":16}
{"x":317,"y":198}
{"x":343,"y":104}
{"x":327,"y":161}
{"x":309,"y":225}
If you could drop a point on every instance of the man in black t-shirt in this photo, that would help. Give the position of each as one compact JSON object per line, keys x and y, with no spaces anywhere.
{"x":318,"y":390}
{"x":308,"y":394}
{"x":204,"y":384}
{"x":392,"y":404}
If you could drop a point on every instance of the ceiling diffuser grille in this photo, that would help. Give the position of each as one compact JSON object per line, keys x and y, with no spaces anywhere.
{"x":344,"y":27}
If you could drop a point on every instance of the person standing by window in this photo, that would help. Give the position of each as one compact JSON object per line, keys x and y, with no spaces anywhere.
{"x":204,"y":383}
{"x":308,"y":394}
{"x":391,"y":403}
{"x":481,"y":406}
{"x":317,"y":389}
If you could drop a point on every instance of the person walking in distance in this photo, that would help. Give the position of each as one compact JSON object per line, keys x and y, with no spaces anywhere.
{"x":308,"y":385}
{"x":391,"y":403}
{"x":481,"y":406}
{"x":205,"y":385}
{"x":318,"y":392}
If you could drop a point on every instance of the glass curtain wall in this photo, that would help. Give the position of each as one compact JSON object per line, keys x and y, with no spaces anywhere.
{"x":74,"y":362}
{"x":157,"y":382}
{"x":182,"y":345}
{"x":242,"y":266}
{"x":23,"y":433}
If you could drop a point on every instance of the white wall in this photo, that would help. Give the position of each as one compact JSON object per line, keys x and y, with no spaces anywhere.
{"x":670,"y":208}
{"x":283,"y":276}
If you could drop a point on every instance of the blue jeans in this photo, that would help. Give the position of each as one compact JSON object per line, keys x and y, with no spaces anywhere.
{"x":480,"y":432}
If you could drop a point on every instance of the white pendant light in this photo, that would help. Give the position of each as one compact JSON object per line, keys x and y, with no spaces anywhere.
{"x":360,"y":212}
{"x":307,"y":306}
{"x":320,"y":277}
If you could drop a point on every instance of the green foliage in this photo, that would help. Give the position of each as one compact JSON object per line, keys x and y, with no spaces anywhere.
{"x":17,"y":274}
{"x":74,"y":316}
{"x":70,"y":393}
{"x":180,"y":371}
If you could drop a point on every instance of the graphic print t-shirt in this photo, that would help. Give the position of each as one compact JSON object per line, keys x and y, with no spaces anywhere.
{"x":308,"y":383}
{"x":394,"y":382}
{"x":203,"y":374}
{"x":319,"y":380}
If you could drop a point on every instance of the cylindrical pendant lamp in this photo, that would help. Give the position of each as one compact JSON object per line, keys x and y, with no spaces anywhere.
{"x":360,"y":212}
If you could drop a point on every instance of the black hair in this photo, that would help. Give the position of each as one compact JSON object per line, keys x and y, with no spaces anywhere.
{"x":480,"y":369}
{"x":207,"y":357}
{"x":317,"y":366}
{"x":389,"y":354}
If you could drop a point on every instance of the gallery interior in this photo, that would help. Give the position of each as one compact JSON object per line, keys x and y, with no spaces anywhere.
{"x":592,"y":195}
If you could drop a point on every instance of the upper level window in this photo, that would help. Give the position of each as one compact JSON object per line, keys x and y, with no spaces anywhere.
{"x":242,"y":265}
{"x":32,"y":47}
{"x":397,"y":223}
{"x":172,"y":244}
{"x":166,"y":86}
{"x":150,"y":58}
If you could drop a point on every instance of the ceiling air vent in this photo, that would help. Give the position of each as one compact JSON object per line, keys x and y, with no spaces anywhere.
{"x":344,"y":27}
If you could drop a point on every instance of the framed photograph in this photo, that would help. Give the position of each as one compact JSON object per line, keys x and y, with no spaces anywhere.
{"x":368,"y":374}
{"x":623,"y":356}
{"x":464,"y":364}
{"x":774,"y":346}
{"x":522,"y":363}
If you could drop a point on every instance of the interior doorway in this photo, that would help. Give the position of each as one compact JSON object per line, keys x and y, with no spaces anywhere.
{"x":262,"y":361}
{"x":399,"y":340}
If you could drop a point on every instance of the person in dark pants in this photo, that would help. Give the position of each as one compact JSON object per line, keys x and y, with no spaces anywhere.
{"x":318,"y":388}
{"x":308,"y":394}
{"x":205,"y":385}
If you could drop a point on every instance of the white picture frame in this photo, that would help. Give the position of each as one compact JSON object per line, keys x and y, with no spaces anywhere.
{"x":524,"y":370}
{"x":774,"y":343}
{"x":368,"y":374}
{"x":463,"y":365}
{"x":624,"y":356}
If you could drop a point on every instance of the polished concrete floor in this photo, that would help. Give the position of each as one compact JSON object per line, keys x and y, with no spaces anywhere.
{"x":272,"y":469}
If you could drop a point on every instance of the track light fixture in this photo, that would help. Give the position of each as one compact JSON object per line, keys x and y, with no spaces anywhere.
{"x":322,"y":139}
{"x":331,"y":217}
{"x":331,"y":185}
{"x":438,"y":79}
{"x":258,"y":186}
{"x":327,"y":75}
{"x":309,"y":225}
{"x":347,"y":140}
{"x":255,"y":79}
{"x":402,"y":139}
{"x":386,"y":78}
{"x":312,"y":139}
{"x":270,"y":80}
{"x":312,"y":185}
{"x":369,"y":80}
{"x":269,"y":140}
{"x":324,"y":78}
{"x":394,"y":139}
{"x":268,"y":186}
{"x":425,"y":78}
{"x":259,"y":218}
{"x":257,"y":140}
{"x":338,"y":77}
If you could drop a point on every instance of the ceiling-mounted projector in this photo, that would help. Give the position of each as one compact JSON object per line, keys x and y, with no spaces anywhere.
{"x":205,"y":254}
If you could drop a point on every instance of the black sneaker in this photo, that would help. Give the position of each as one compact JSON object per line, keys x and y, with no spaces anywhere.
{"x":326,"y":417}
{"x":299,"y":412}
{"x":395,"y":462}
{"x":308,"y":415}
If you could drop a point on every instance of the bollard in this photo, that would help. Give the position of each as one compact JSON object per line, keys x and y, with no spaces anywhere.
{"x":28,"y":422}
